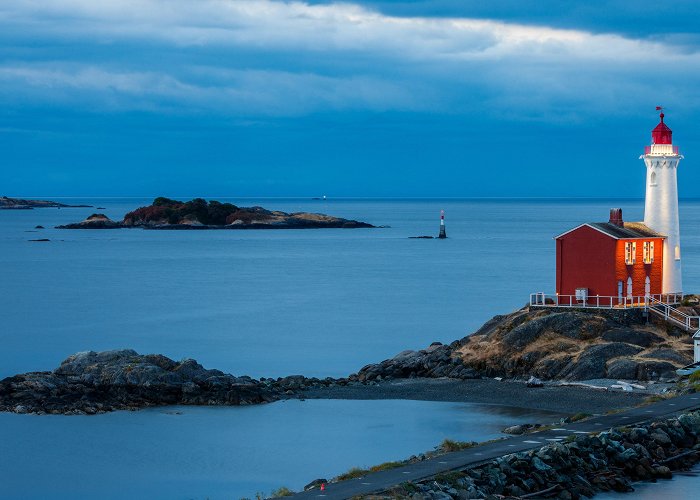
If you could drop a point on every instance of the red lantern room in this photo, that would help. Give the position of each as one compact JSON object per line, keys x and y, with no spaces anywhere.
{"x":661,"y":133}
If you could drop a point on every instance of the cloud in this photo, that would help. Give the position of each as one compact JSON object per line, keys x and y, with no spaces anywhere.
{"x":288,"y":58}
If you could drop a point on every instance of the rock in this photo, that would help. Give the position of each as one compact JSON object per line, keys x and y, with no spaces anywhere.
{"x":655,"y":370}
{"x":639,"y":338}
{"x":520,"y":429}
{"x":38,"y":227}
{"x":691,"y":422}
{"x":95,"y":221}
{"x":569,"y":324}
{"x":622,"y":368}
{"x":124,"y":379}
{"x":540,"y":465}
{"x":592,"y":362}
{"x":534,"y":382}
{"x":660,"y":437}
{"x":670,"y":355}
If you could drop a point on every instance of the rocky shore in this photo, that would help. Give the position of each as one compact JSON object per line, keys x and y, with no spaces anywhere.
{"x":92,"y":382}
{"x":169,"y":214}
{"x":551,"y":345}
{"x":609,"y":461}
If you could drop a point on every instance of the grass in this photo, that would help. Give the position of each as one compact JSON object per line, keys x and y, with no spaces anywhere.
{"x":353,"y":473}
{"x":386,"y":466}
{"x":357,"y":472}
{"x":694,"y":377}
{"x":450,"y":445}
{"x":579,"y":416}
{"x":281,"y":492}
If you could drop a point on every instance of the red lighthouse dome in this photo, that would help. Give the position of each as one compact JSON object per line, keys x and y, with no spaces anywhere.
{"x":661,"y":133}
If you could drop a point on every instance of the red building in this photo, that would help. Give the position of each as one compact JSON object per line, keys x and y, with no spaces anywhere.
{"x":609,"y":263}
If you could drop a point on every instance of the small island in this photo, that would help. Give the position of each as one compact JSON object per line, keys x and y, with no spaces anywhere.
{"x":165,"y":213}
{"x":7,"y":203}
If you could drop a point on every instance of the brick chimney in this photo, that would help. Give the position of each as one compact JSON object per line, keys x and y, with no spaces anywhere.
{"x":616,"y":217}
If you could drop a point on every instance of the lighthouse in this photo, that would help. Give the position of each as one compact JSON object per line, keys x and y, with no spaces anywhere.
{"x":661,"y":202}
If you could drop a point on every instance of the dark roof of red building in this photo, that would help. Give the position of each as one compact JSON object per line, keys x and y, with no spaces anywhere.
{"x":661,"y":133}
{"x":630,"y":230}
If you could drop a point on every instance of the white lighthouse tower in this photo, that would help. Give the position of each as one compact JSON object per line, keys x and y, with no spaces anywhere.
{"x":661,"y":205}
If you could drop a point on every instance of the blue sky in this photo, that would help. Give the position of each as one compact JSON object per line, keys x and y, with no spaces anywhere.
{"x":435,"y":98}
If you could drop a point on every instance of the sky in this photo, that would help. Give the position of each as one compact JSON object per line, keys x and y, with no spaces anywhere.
{"x":433,"y":98}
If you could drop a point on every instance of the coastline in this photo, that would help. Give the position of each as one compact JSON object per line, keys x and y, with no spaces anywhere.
{"x":551,"y":397}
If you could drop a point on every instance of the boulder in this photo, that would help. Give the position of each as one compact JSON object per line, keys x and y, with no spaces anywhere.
{"x":622,"y":368}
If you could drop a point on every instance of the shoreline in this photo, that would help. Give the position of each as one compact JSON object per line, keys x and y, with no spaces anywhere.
{"x":551,"y":397}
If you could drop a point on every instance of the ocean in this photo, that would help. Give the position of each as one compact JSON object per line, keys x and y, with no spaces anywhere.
{"x":266,"y":303}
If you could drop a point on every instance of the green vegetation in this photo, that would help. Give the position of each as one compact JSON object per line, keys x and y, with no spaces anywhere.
{"x":281,"y":492}
{"x":579,"y":416}
{"x":654,"y":398}
{"x":209,"y":213}
{"x":386,"y":466}
{"x":449,"y":445}
{"x":694,"y":377}
{"x":353,"y":473}
{"x":357,"y":472}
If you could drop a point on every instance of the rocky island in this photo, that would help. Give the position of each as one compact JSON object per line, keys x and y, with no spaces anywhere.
{"x":165,"y":213}
{"x":20,"y":204}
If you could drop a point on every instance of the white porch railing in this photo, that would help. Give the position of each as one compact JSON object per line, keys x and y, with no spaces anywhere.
{"x":592,"y":301}
{"x":603,"y":301}
{"x":670,"y":313}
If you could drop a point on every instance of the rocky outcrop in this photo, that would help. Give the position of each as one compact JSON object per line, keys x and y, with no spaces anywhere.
{"x":609,"y":461}
{"x":95,"y":221}
{"x":92,"y":382}
{"x":165,"y":213}
{"x":550,"y":344}
{"x":17,"y":203}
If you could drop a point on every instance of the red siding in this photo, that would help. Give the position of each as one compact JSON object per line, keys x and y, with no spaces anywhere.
{"x":586,"y":259}
{"x":639,"y":270}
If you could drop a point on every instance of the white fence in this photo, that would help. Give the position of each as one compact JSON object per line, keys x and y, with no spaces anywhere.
{"x":603,"y":301}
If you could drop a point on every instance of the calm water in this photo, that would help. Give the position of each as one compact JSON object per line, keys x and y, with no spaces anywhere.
{"x":272,"y":303}
{"x":265,"y":303}
{"x":226,"y":452}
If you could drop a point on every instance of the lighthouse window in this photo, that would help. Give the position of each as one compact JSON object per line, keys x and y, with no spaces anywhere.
{"x":652,"y":179}
{"x":630,"y":252}
{"x":648,"y":252}
{"x":677,"y":252}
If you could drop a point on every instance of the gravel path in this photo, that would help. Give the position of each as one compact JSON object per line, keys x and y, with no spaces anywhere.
{"x":551,"y":397}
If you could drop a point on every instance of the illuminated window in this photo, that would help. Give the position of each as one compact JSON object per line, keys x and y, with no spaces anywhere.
{"x":630,"y":252}
{"x":678,"y":252}
{"x":648,"y":252}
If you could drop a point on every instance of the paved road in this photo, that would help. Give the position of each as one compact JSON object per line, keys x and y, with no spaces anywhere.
{"x":380,"y":481}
